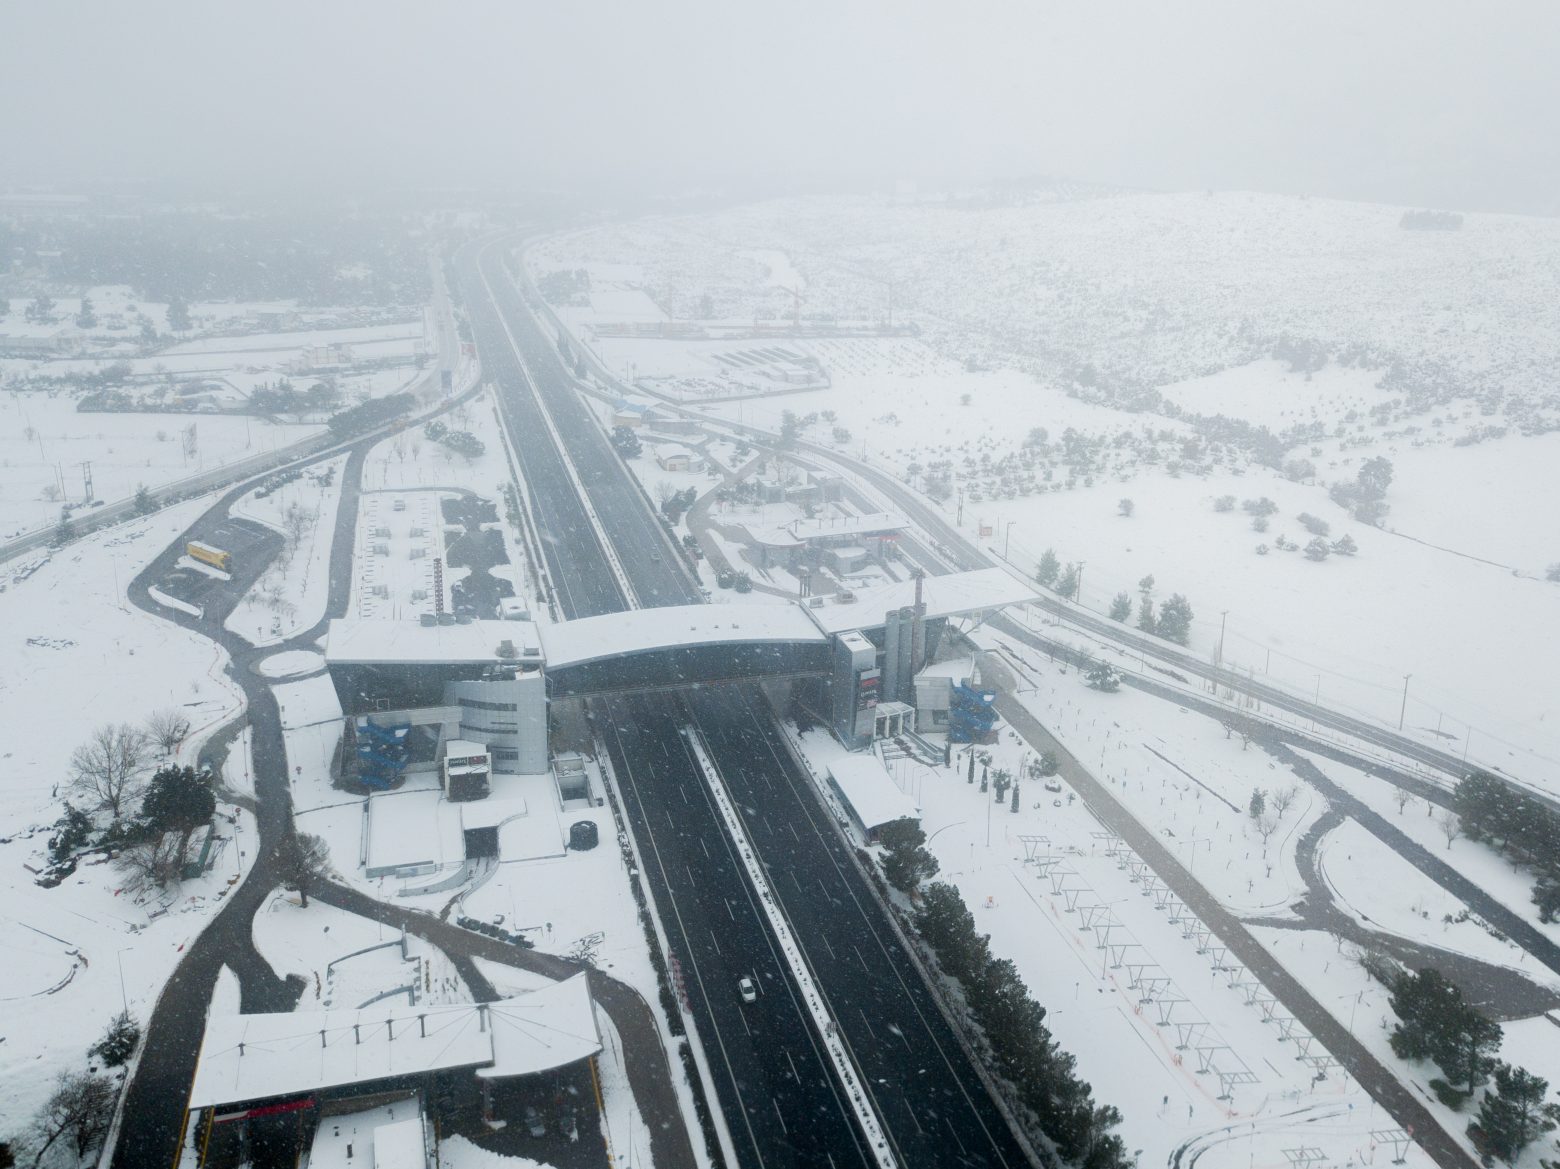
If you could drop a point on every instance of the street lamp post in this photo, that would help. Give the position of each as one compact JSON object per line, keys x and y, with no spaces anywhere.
{"x":1403,"y":710}
{"x":1078,"y":592}
{"x":1224,"y":615}
{"x":1007,"y":534}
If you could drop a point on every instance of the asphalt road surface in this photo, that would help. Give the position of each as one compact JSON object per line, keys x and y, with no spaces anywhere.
{"x":776,"y":1089}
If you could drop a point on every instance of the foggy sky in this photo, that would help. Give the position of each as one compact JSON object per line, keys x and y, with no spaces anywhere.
{"x":1426,"y":103}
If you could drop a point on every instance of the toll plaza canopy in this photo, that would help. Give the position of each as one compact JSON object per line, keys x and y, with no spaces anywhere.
{"x":251,"y":1058}
{"x":612,"y":635}
{"x":675,"y":645}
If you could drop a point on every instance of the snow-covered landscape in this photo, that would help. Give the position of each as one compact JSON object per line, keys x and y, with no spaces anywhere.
{"x":871,"y":587}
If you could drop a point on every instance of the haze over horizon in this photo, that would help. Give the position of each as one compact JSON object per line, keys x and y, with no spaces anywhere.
{"x":1417,"y":103}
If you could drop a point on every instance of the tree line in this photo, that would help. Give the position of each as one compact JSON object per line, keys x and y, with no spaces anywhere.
{"x":1523,"y":828}
{"x":1436,"y":1023}
{"x":367,"y":415}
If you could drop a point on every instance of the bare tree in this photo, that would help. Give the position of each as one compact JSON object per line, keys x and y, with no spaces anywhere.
{"x":1402,"y":797}
{"x":297,"y":521}
{"x":1451,"y":826}
{"x":78,"y":1110}
{"x":1283,"y":798}
{"x":167,"y":728}
{"x":106,"y":769}
{"x":302,"y":861}
{"x":1266,"y":826}
{"x":155,"y":863}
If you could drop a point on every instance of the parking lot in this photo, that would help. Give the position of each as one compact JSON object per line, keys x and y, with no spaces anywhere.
{"x":252,"y":547}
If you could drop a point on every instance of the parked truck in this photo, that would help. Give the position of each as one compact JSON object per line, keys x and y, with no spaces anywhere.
{"x":206,"y":554}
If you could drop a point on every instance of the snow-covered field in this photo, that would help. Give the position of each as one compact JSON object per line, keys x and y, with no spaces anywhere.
{"x":44,"y":441}
{"x":78,"y":656}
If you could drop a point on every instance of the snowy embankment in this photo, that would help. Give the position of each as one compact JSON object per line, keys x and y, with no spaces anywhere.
{"x":80,"y":656}
{"x":292,"y":594}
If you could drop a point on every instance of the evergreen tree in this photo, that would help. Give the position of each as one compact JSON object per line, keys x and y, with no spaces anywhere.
{"x":1344,"y":545}
{"x":119,"y":1041}
{"x":85,"y":317}
{"x":144,"y":503}
{"x":178,"y":799}
{"x":1067,"y":586}
{"x":907,"y":863}
{"x":1145,"y":620}
{"x":1258,"y":803}
{"x":1318,"y":549}
{"x":178,"y":315}
{"x":1514,"y":1115}
{"x":1175,"y":620}
{"x":1467,"y":1046}
{"x":1146,"y":585}
{"x":1120,"y":607}
{"x":65,"y":530}
{"x":1421,"y":1002}
{"x":1102,"y":676}
{"x":1374,"y":477}
{"x":1048,"y":569}
{"x":626,"y":442}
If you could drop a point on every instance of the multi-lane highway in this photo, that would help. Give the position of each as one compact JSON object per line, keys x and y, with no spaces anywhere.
{"x":781,"y":1101}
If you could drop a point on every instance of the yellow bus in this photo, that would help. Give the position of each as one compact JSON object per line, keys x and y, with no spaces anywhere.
{"x":206,"y":554}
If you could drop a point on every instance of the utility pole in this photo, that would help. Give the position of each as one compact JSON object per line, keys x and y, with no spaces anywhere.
{"x":1403,"y":710}
{"x":1007,"y":534}
{"x":1078,"y":592}
{"x":1224,"y":615}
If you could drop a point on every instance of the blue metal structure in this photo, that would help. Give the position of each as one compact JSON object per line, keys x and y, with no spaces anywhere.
{"x":382,"y":754}
{"x":972,"y":714}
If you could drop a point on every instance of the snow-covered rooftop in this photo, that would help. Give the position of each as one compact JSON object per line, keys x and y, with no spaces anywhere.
{"x":257,"y":1057}
{"x":389,"y":1136}
{"x":945,"y":596}
{"x":613,"y":634}
{"x":847,"y":525}
{"x":376,"y":641}
{"x":870,"y":791}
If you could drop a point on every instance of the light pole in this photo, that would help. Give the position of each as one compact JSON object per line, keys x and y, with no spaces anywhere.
{"x":1078,"y":592}
{"x":1403,"y":710}
{"x":1224,"y":615}
{"x":1007,"y":534}
{"x":124,"y":998}
{"x":1192,"y":844}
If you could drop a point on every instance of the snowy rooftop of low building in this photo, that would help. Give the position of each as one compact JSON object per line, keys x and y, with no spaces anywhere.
{"x":870,"y":791}
{"x":257,"y":1057}
{"x":389,"y":1136}
{"x":407,"y":829}
{"x":614,"y":634}
{"x":385,"y":641}
{"x":771,"y":535}
{"x":945,"y":596}
{"x":847,"y":525}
